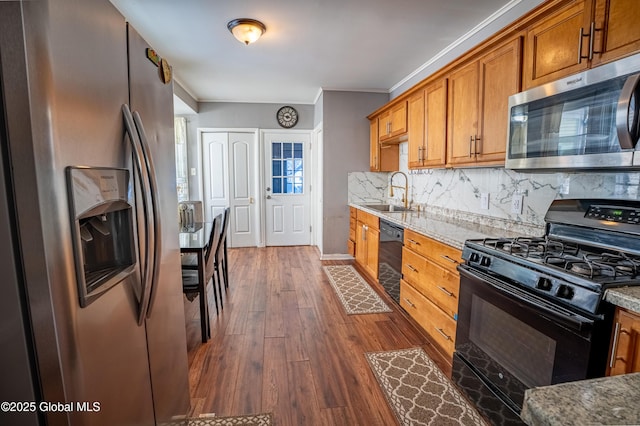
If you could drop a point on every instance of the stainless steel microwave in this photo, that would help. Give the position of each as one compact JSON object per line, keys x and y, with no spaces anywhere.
{"x":586,"y":121}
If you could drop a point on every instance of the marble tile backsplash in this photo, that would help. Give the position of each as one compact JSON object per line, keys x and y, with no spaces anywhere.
{"x":460,"y":190}
{"x":366,"y":187}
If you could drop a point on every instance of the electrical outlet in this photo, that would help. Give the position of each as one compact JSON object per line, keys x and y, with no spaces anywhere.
{"x":484,"y":201}
{"x":193,"y":171}
{"x":516,"y":203}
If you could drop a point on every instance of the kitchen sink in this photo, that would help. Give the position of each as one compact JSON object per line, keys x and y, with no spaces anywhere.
{"x":387,"y":208}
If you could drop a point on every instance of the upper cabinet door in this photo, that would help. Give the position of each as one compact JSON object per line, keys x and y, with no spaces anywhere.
{"x":463,"y":114}
{"x":500,"y":77}
{"x":384,"y":124}
{"x":398,"y":119}
{"x":617,"y":29}
{"x":558,"y":46}
{"x":434,"y":153}
{"x":415,"y":124}
{"x":374,"y":146}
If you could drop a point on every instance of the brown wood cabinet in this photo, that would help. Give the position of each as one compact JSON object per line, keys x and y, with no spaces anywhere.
{"x":478,"y":106}
{"x":381,"y":158}
{"x":427,"y":129}
{"x":430,"y":287}
{"x":581,"y":35}
{"x":393,"y":122}
{"x":468,"y":97}
{"x":624,"y":356}
{"x":616,"y":30}
{"x":553,"y":45}
{"x":353,"y":223}
{"x":366,"y":244}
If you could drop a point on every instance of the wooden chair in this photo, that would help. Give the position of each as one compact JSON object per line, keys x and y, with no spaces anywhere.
{"x":221,"y":263}
{"x":192,"y":285}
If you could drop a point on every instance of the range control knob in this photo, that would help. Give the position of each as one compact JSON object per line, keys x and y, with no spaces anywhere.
{"x":474,"y":257}
{"x":565,"y":292}
{"x":544,"y":284}
{"x":485,"y":261}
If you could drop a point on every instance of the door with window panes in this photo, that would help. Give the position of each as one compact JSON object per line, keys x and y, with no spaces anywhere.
{"x":287,"y":179}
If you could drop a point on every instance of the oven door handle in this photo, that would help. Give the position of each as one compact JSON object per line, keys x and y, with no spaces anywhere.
{"x":538,"y":305}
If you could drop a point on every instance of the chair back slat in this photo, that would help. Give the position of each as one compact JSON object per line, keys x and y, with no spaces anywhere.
{"x":214,"y":240}
{"x":223,"y":232}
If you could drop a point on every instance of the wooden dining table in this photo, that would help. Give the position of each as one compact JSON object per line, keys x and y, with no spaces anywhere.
{"x":194,"y":238}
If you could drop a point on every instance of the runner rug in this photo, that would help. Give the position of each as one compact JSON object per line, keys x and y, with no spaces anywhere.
{"x":250,"y":420}
{"x":354,"y":292}
{"x":418,"y":392}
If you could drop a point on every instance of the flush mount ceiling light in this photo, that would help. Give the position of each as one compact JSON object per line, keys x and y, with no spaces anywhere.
{"x":246,"y":30}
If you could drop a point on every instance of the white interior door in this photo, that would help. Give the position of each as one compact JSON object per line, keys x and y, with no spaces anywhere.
{"x":215,"y":150}
{"x":287,"y":188}
{"x":242,"y":166}
{"x":230,"y":163}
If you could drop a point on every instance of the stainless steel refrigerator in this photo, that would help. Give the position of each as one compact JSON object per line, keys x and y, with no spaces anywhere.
{"x":118,"y":356}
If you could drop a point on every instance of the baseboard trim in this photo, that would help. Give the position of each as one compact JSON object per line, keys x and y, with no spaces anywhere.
{"x":336,"y":256}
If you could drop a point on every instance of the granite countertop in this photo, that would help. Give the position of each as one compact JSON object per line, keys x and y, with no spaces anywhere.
{"x":604,"y":401}
{"x":447,"y":228}
{"x":625,"y":297}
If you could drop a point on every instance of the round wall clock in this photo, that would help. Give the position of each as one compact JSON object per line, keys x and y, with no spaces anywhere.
{"x":287,"y":116}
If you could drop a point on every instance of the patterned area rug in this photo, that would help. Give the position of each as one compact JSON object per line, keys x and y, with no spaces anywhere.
{"x":213,"y":420}
{"x":356,"y":295}
{"x":418,"y":392}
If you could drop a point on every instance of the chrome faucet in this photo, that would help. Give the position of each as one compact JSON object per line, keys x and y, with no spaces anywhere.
{"x":406,"y":187}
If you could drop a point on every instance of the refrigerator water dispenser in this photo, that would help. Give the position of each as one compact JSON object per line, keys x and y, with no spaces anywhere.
{"x":102,"y":228}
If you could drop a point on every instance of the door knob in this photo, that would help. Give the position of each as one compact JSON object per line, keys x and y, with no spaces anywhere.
{"x":268,"y":197}
{"x":268,"y":188}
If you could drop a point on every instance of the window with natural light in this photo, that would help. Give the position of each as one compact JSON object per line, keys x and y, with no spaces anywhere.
{"x":182,"y":165}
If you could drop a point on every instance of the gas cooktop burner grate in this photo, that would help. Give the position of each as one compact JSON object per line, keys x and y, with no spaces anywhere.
{"x":571,"y":257}
{"x":529,"y":247}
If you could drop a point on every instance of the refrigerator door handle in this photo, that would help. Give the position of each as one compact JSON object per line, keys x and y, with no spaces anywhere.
{"x":143,"y":176}
{"x":153,"y":186}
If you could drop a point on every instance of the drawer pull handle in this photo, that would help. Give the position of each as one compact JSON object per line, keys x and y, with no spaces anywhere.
{"x":411,"y":267}
{"x":450,"y":259}
{"x":614,"y":347}
{"x":445,"y":291}
{"x":409,"y":302}
{"x":439,"y":330}
{"x":413,"y":242}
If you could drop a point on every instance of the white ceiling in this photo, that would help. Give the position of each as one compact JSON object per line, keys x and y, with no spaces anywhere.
{"x":309,"y":45}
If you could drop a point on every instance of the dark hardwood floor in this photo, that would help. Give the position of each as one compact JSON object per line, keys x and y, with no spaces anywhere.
{"x":283,"y":344}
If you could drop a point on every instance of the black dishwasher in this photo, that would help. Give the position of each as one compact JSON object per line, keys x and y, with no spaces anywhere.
{"x":390,"y":258}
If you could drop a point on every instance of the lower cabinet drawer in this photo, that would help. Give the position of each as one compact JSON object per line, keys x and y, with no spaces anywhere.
{"x":434,"y":282}
{"x":438,"y":325}
{"x":351,"y":248}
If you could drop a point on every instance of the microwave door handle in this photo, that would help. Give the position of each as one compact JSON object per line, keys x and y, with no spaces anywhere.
{"x":138,"y":158}
{"x":153,"y":191}
{"x":628,"y":135}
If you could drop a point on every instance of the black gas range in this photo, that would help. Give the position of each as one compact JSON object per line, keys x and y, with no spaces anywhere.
{"x":531,"y":309}
{"x":590,"y":245}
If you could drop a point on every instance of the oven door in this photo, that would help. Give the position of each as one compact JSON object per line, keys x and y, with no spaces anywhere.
{"x":508,"y":340}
